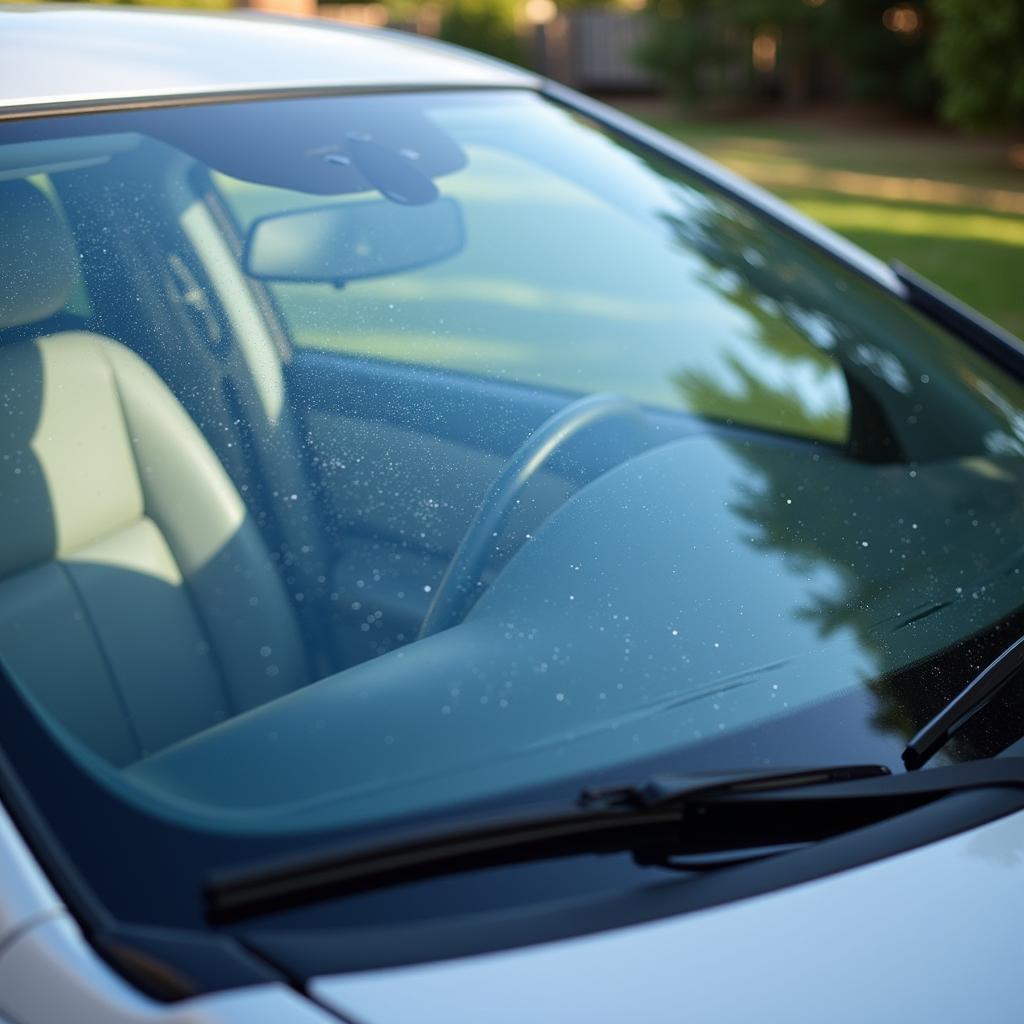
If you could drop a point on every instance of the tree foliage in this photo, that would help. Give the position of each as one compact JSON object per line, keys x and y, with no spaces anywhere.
{"x":211,"y":5}
{"x":833,"y":49}
{"x":979,"y":57}
{"x":485,"y":25}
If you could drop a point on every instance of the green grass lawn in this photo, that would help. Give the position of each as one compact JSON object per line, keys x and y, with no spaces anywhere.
{"x":950,"y":208}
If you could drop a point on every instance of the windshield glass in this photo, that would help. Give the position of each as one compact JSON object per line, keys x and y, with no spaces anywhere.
{"x":363,"y":456}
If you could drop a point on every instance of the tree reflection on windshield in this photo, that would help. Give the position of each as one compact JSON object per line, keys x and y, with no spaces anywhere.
{"x":918,"y":553}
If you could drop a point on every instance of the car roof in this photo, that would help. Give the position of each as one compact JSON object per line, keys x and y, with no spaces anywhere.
{"x":54,"y":58}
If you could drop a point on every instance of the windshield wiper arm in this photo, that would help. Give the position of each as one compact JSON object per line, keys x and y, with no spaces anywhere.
{"x":645,"y":819}
{"x":969,"y":701}
{"x":696,"y":822}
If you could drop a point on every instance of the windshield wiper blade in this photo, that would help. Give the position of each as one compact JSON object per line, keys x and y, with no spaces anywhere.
{"x":695,"y":822}
{"x":968,"y":702}
{"x":645,"y":819}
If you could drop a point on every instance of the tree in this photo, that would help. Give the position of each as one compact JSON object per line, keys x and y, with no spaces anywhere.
{"x":979,"y":57}
{"x":883,"y":49}
{"x":874,"y":50}
{"x":201,"y":4}
{"x":485,"y":25}
{"x":702,"y":48}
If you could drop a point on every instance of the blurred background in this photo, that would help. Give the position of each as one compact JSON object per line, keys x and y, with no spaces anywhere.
{"x":900,"y":125}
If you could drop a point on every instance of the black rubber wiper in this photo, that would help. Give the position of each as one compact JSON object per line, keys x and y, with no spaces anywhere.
{"x":692,"y":823}
{"x":655,"y":820}
{"x":968,"y":702}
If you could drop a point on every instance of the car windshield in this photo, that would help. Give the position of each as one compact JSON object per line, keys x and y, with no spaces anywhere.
{"x":365,"y":456}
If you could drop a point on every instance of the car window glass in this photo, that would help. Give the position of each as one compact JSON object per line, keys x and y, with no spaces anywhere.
{"x":557,"y":286}
{"x":794,"y":488}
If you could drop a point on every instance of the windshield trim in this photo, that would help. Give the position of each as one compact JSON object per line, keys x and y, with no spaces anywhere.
{"x":963,"y":321}
{"x":205,"y":97}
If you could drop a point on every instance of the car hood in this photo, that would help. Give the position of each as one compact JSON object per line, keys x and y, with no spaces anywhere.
{"x":928,"y":935}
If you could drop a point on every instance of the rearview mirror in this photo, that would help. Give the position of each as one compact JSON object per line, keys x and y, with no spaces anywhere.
{"x":348,"y":241}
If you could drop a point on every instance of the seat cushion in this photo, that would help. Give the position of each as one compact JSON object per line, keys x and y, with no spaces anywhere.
{"x":138,"y":603}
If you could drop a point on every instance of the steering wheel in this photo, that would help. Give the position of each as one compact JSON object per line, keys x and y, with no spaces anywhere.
{"x":459,"y":586}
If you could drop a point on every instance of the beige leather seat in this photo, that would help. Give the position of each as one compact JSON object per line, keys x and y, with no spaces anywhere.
{"x":138,"y":604}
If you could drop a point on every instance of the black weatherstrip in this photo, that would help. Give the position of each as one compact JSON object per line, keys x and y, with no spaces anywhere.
{"x":998,"y":344}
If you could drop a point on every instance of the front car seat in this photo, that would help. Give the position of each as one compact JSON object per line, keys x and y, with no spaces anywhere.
{"x":138,"y":603}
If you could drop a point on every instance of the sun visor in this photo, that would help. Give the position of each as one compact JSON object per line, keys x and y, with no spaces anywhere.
{"x":293,"y":145}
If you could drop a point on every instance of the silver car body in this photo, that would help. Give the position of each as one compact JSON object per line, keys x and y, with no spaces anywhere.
{"x":929,"y":934}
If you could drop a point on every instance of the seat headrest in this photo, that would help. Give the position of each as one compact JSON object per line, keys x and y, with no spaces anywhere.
{"x":37,"y":256}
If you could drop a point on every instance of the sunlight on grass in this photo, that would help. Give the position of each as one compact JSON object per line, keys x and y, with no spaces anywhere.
{"x":788,"y":173}
{"x":909,"y":220}
{"x":951,"y":208}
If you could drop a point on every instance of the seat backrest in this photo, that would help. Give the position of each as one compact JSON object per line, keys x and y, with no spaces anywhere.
{"x":138,"y":604}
